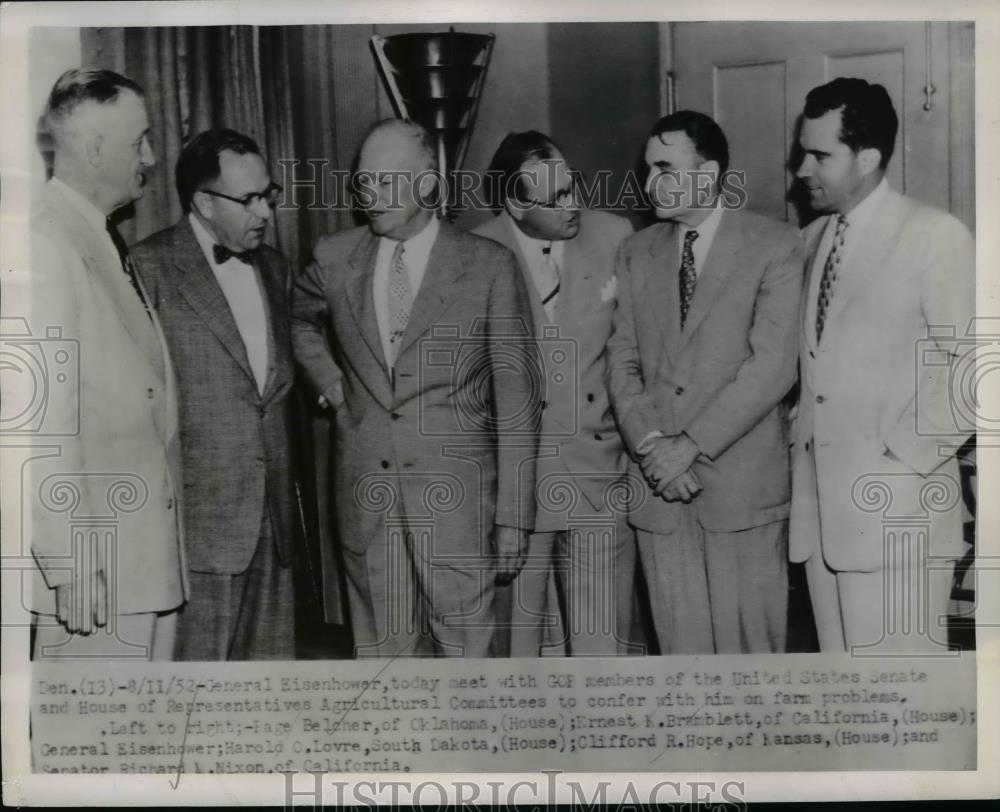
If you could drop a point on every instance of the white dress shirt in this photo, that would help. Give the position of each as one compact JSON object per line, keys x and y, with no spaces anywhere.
{"x":857,"y":219}
{"x":416,"y":253}
{"x":706,"y":234}
{"x":534,"y":256}
{"x":241,"y":287}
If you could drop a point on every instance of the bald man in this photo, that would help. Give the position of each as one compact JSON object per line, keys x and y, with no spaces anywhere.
{"x":418,"y":338}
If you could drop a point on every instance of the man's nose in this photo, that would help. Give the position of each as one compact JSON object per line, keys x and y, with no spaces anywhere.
{"x":146,"y":156}
{"x":261,"y":208}
{"x":806,"y":167}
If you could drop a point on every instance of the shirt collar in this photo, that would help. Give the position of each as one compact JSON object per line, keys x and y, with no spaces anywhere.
{"x":205,"y":240}
{"x":93,"y":215}
{"x":706,"y":228}
{"x":863,"y":211}
{"x":421,"y":242}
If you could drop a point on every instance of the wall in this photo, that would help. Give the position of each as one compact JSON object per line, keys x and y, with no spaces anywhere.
{"x":52,"y":52}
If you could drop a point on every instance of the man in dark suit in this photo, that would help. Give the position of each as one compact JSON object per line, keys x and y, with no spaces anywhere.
{"x":428,"y":364}
{"x":222,"y":296}
{"x":566,"y":254}
{"x":702,"y":354}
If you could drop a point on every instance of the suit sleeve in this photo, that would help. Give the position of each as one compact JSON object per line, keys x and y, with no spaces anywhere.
{"x":765,"y":377}
{"x":310,"y":315}
{"x":54,"y":304}
{"x":633,"y":406}
{"x":516,"y":397}
{"x":937,"y":411}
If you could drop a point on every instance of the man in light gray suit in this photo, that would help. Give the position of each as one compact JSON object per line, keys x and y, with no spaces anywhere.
{"x":222,"y":296}
{"x":105,"y":529}
{"x":429,"y":367}
{"x":702,"y":354}
{"x":566,"y":254}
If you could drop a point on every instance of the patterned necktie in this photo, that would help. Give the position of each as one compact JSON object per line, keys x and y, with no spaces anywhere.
{"x":127,"y":265}
{"x":831,"y":270}
{"x":688,"y":277}
{"x":550,"y":282}
{"x":400,"y":301}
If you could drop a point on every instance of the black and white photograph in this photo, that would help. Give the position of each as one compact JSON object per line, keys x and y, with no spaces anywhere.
{"x":388,"y":391}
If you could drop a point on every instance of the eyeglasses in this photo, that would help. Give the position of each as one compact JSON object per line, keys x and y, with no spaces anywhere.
{"x":564,"y":199}
{"x":270,"y":196}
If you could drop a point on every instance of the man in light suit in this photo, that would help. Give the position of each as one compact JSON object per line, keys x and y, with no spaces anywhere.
{"x":431,"y":373}
{"x":114,"y":585}
{"x":222,"y":297}
{"x":874,"y":420}
{"x":702,"y":353}
{"x":566,"y":255}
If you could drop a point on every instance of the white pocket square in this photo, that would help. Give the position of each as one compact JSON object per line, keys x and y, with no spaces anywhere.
{"x":610,"y":289}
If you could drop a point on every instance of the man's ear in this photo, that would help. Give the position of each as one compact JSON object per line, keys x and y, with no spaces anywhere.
{"x":203,"y":204}
{"x":869,"y":159}
{"x":514,"y":209}
{"x":93,"y":148}
{"x":705,"y":187}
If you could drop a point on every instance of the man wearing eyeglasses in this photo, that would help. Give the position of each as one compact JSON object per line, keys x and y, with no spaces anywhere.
{"x":566,"y":254}
{"x":222,"y":296}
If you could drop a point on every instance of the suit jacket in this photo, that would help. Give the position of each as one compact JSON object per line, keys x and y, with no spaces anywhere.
{"x":579,"y":438}
{"x":722,"y":378}
{"x":877,"y":383}
{"x":115,"y":466}
{"x":235,"y":441}
{"x":449,"y":440}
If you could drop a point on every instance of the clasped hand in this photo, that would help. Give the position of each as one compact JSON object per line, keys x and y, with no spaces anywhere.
{"x":666,"y":463}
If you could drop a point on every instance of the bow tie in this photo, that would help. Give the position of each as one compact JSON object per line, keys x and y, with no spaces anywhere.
{"x":221,"y":254}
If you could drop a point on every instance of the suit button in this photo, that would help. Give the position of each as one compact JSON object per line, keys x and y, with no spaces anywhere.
{"x":679,"y":390}
{"x":597,"y":436}
{"x":590,"y":397}
{"x":385,"y":463}
{"x":395,"y":416}
{"x":545,"y":405}
{"x":170,"y":504}
{"x":150,"y":393}
{"x":820,"y":399}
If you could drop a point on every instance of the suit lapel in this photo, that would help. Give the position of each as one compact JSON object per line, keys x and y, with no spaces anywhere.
{"x":812,"y":237}
{"x":105,"y":265}
{"x":661,"y":282}
{"x":869,"y":256}
{"x":721,"y":261}
{"x":279,"y":359}
{"x":360,"y":301}
{"x":437,"y":291}
{"x":201,"y":290}
{"x":508,"y":238}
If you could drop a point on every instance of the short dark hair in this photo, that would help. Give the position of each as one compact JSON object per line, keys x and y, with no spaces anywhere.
{"x":199,"y":161}
{"x":707,"y":136}
{"x":514,"y":151}
{"x":79,"y":85}
{"x":867,"y":118}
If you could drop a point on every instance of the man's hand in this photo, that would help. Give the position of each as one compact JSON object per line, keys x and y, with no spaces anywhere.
{"x":685,"y":488}
{"x":511,"y":552}
{"x":333,"y":398}
{"x":82,"y":604}
{"x":666,"y":458}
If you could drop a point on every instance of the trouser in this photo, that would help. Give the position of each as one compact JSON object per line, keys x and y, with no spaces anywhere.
{"x":248,"y":616}
{"x":900,"y":608}
{"x":717,"y":592}
{"x":404,"y":603}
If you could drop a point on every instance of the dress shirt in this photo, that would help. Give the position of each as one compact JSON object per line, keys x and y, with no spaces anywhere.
{"x":416,"y":254}
{"x":534,"y":256}
{"x":241,"y":287}
{"x":857,"y":220}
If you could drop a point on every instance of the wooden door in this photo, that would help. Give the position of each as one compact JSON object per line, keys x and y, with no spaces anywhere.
{"x":753,"y":79}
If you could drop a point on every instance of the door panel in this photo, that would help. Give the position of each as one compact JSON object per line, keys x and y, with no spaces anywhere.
{"x":754,"y":77}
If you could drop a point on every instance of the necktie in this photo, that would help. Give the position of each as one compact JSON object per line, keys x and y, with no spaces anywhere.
{"x":400,"y":301}
{"x":688,"y":277}
{"x":221,"y":254}
{"x":831,"y":270}
{"x":127,"y":265}
{"x":550,"y":282}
